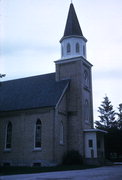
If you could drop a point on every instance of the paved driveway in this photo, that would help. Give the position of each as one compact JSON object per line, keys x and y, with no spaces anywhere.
{"x":103,"y":173}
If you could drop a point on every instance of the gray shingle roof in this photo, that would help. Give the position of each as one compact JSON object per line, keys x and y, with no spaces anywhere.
{"x":72,"y":24}
{"x":32,"y":92}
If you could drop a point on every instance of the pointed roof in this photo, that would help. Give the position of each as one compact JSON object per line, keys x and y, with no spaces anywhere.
{"x":72,"y":25}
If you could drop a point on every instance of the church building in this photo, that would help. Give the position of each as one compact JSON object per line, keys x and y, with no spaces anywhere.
{"x":42,"y":117}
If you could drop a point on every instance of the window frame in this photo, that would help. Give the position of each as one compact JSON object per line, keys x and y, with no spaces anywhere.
{"x":86,"y":78}
{"x":90,"y":143}
{"x":86,"y":110}
{"x":68,"y":48}
{"x":77,"y":48}
{"x":38,"y":124}
{"x":61,"y":133}
{"x":84,"y":50}
{"x":62,"y":51}
{"x":8,"y":138}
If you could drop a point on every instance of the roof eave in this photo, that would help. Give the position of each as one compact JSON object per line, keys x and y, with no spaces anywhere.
{"x":73,"y":36}
{"x":95,"y":130}
{"x":62,"y":94}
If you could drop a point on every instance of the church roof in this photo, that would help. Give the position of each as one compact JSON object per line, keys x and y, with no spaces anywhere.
{"x":72,"y":25}
{"x":32,"y":92}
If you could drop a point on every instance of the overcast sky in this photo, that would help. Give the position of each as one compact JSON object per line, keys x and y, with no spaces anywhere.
{"x":30,"y":31}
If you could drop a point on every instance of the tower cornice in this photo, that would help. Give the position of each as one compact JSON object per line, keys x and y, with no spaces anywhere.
{"x":73,"y":36}
{"x":80,"y":58}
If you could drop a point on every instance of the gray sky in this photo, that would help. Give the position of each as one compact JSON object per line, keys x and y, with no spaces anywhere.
{"x":30,"y":31}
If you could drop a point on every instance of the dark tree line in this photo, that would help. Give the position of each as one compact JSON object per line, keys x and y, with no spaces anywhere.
{"x":111,"y":121}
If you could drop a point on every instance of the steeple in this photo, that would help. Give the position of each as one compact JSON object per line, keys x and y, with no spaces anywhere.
{"x":72,"y":24}
{"x":73,"y":43}
{"x":74,"y":66}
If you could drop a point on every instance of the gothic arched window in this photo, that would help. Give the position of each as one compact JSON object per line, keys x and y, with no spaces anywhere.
{"x":68,"y":48}
{"x":86,"y":77}
{"x":38,"y":133}
{"x":9,"y":136}
{"x":77,"y":48}
{"x":62,"y":51}
{"x":86,"y":110}
{"x":61,"y":133}
{"x":84,"y":50}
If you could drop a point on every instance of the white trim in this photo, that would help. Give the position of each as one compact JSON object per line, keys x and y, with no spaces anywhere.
{"x":65,"y":60}
{"x":72,"y":59}
{"x":37,"y":149}
{"x":94,"y":130}
{"x":73,"y":36}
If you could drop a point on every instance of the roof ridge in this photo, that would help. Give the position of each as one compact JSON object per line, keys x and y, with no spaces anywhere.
{"x":28,"y":77}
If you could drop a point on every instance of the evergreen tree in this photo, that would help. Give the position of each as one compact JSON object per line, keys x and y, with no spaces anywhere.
{"x":120,"y":116}
{"x":107,"y":115}
{"x":113,"y":139}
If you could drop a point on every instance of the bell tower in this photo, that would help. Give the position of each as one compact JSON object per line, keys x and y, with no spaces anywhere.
{"x":74,"y":66}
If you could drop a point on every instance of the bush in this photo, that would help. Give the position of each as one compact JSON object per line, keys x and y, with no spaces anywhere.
{"x":72,"y":158}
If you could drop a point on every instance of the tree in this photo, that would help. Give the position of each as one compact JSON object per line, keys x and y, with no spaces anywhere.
{"x":113,"y":144}
{"x":113,"y":137}
{"x":120,"y":116}
{"x":107,"y":115}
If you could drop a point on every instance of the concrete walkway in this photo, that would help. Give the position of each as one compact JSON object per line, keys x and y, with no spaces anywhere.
{"x":103,"y":173}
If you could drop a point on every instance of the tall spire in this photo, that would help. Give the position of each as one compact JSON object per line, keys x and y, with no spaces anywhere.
{"x":72,"y":25}
{"x":73,"y":43}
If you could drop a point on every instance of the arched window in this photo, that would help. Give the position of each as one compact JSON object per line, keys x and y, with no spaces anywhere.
{"x":86,"y":110}
{"x":68,"y":48}
{"x":9,"y":136}
{"x":77,"y":48}
{"x":86,"y":77}
{"x":62,"y":51}
{"x":61,"y":133}
{"x":84,"y":50}
{"x":38,"y":133}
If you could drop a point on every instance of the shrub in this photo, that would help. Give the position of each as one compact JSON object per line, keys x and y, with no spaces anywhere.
{"x":72,"y":158}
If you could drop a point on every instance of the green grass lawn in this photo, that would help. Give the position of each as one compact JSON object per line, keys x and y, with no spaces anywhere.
{"x":29,"y":170}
